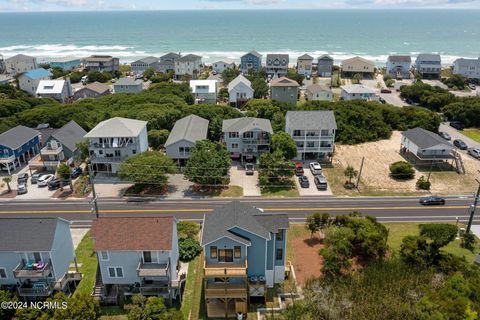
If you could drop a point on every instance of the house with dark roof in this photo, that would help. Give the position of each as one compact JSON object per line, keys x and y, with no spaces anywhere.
{"x":185,"y":133}
{"x":398,"y":67}
{"x":136,"y":255}
{"x":92,"y":90}
{"x":313,"y":133}
{"x":60,"y":146}
{"x":247,"y":138}
{"x":428,"y":66}
{"x":35,"y":257}
{"x":167,"y":62}
{"x":188,"y":65}
{"x":277,"y":65}
{"x":251,"y":61}
{"x":284,"y":90}
{"x":425,"y":145}
{"x":101,"y":63}
{"x":139,"y":66}
{"x":17,"y":145}
{"x":304,"y":65}
{"x":324,"y":66}
{"x":30,"y":80}
{"x":245,"y":253}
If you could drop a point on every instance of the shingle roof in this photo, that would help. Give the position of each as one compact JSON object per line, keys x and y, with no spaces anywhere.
{"x":20,"y":56}
{"x":97,"y":87}
{"x":242,"y":125}
{"x":104,"y":58}
{"x":117,"y":128}
{"x":147,"y":60}
{"x":133,"y":233}
{"x":69,"y":135}
{"x":188,"y":58}
{"x":191,"y":128}
{"x":305,"y":57}
{"x":255,"y":53}
{"x":37,"y":73}
{"x":429,"y":57}
{"x":279,"y":56}
{"x":283,"y":82}
{"x":400,"y":59}
{"x":321,"y":119}
{"x":238,"y":80}
{"x":325,"y":56}
{"x":170,"y":55}
{"x":28,"y":234}
{"x":219,"y":223}
{"x":315,"y":88}
{"x":357,"y":88}
{"x":17,"y":136}
{"x":359,"y":59}
{"x":425,"y":139}
{"x":128,"y":82}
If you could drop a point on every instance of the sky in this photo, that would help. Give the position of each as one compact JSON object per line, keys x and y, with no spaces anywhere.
{"x":89,"y":5}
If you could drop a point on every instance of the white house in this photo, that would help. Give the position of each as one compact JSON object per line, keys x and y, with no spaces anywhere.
{"x":221,"y":65}
{"x":60,"y":90}
{"x":239,"y":90}
{"x":318,"y":92}
{"x":188,"y":65}
{"x":469,"y":68}
{"x":426,"y":145}
{"x":204,"y":91}
{"x":358,"y":92}
{"x":29,"y":80}
{"x":398,"y":67}
{"x":20,"y":63}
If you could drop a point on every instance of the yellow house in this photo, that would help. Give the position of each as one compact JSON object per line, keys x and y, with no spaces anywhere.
{"x":356,"y":65}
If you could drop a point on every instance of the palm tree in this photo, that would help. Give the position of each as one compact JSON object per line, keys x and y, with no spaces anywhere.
{"x":350,"y":173}
{"x":7,"y":180}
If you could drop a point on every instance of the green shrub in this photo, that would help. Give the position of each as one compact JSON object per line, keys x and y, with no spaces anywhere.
{"x":468,"y":241}
{"x":402,"y":170}
{"x":423,"y":184}
{"x":188,"y":249}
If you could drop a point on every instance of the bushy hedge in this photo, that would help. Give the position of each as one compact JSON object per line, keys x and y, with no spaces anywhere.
{"x":433,"y":98}
{"x":466,"y":110}
{"x":402,"y":170}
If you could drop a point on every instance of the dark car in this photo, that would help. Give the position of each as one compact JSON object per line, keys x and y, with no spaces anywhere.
{"x":76,"y":172}
{"x":445,"y":135}
{"x":457,"y":125}
{"x":432,"y":200}
{"x":22,"y":178}
{"x":55,"y":184}
{"x":249,"y":169}
{"x":460,"y":144}
{"x":304,"y":183}
{"x":386,"y":91}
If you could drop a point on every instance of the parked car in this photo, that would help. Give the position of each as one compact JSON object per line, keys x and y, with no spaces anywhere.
{"x":382,"y":100}
{"x":445,"y":135}
{"x":472,"y":86}
{"x":35,"y":176}
{"x":474,"y":153}
{"x":460,"y":144}
{"x":55,"y":184}
{"x":315,"y":168}
{"x":22,"y":188}
{"x":44,"y":180}
{"x":299,"y":169}
{"x":76,"y":172}
{"x":321,"y":182}
{"x":304,"y":183}
{"x":432,"y":200}
{"x":22,"y":178}
{"x":457,"y":125}
{"x":249,"y":169}
{"x":385,"y":91}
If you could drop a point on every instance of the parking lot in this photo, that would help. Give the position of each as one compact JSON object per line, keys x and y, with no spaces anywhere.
{"x":312,"y":189}
{"x":33,"y":191}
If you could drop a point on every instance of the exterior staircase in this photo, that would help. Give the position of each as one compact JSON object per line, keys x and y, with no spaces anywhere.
{"x":98,"y":289}
{"x":459,"y":163}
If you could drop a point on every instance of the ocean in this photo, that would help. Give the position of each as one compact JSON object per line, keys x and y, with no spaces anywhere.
{"x":129,"y":35}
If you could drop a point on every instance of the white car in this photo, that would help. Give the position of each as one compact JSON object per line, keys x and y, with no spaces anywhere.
{"x":474,"y":153}
{"x":22,"y":188}
{"x":44,"y":180}
{"x":316,"y":168}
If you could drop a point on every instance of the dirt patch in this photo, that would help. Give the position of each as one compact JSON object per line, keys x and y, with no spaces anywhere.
{"x":8,"y":195}
{"x":307,"y":261}
{"x":63,"y":194}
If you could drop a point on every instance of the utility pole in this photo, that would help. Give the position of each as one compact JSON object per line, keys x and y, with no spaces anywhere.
{"x":94,"y":200}
{"x":473,"y":207}
{"x":360,"y":172}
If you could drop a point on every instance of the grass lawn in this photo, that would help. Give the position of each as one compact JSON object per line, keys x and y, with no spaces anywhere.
{"x":232,"y":192}
{"x":400,"y":230}
{"x":281,"y":191}
{"x":87,"y":260}
{"x":113,"y":313}
{"x":192,"y":303}
{"x":472,"y":133}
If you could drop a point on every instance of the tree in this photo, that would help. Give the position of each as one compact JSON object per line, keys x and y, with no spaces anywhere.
{"x":147,"y":169}
{"x":65,"y":173}
{"x":188,"y":229}
{"x":338,"y":251}
{"x":423,"y":184}
{"x":80,"y":306}
{"x":284,"y":143}
{"x":7,"y":180}
{"x":82,"y":150}
{"x":6,"y":296}
{"x":228,"y":75}
{"x":208,"y":164}
{"x":152,"y":308}
{"x":274,"y":170}
{"x":357,"y":78}
{"x":149,"y":73}
{"x":402,"y":170}
{"x":441,"y":234}
{"x":188,"y":249}
{"x":293,"y":75}
{"x":312,"y":223}
{"x":468,"y":241}
{"x":260,"y":88}
{"x":157,"y":138}
{"x":350,"y":173}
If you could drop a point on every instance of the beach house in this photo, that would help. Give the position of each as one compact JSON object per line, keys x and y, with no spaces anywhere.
{"x":247,"y":138}
{"x":222,"y":65}
{"x":324,"y":66}
{"x":251,"y":61}
{"x":92,"y":90}
{"x":60,"y":90}
{"x":428,"y":66}
{"x":136,"y":255}
{"x":277,"y":65}
{"x":313,"y":133}
{"x":128,"y":85}
{"x":101,"y":63}
{"x":29,"y":80}
{"x":469,"y":68}
{"x":20,"y":63}
{"x":167,"y":62}
{"x":204,"y":91}
{"x":284,"y":90}
{"x":318,"y":92}
{"x":185,"y":133}
{"x":304,"y":65}
{"x":18,"y":145}
{"x":358,"y":92}
{"x":398,"y":67}
{"x":188,"y":65}
{"x":65,"y":63}
{"x":35,"y":257}
{"x":358,"y":65}
{"x":113,"y":141}
{"x":245,"y":253}
{"x":139,"y":66}
{"x":239,"y":91}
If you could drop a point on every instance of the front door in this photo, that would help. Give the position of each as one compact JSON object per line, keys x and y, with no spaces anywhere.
{"x":225,"y":255}
{"x":147,"y":256}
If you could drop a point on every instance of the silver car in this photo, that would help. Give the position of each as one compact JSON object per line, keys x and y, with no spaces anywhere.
{"x":474,"y":153}
{"x":22,"y":188}
{"x":44,"y":180}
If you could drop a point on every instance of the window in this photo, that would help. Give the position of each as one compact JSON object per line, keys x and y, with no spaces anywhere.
{"x":234,"y":145}
{"x":104,"y":255}
{"x":115,"y":272}
{"x":213,"y":252}
{"x":225,"y":255}
{"x":3,"y":273}
{"x":134,"y":151}
{"x":37,"y":256}
{"x":297,"y":133}
{"x":237,"y":252}
{"x":147,"y":256}
{"x":279,"y":254}
{"x":279,"y":235}
{"x":111,"y":272}
{"x":119,"y":272}
{"x":233,"y":135}
{"x":181,"y":149}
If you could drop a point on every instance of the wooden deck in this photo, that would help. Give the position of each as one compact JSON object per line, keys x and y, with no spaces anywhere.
{"x":225,"y":270}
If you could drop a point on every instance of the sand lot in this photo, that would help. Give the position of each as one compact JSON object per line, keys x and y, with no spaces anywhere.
{"x":380,"y":154}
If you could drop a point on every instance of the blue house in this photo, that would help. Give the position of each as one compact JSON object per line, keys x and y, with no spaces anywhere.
{"x":65,"y":63}
{"x":244,"y":252}
{"x":251,"y":61}
{"x":18,"y":145}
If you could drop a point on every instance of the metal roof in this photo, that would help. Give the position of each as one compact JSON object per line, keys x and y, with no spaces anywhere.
{"x":117,"y":128}
{"x":357,"y":88}
{"x":191,"y":128}
{"x":238,"y":80}
{"x":147,"y":60}
{"x":400,"y":59}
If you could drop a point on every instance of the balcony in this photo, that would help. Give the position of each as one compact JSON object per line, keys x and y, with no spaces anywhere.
{"x":226,"y":269}
{"x":51,"y":150}
{"x":31,"y":270}
{"x":6,"y":159}
{"x":315,"y":138}
{"x":153,"y":269}
{"x":106,"y":159}
{"x":255,"y":141}
{"x":154,"y":288}
{"x":225,"y":290}
{"x":67,"y":277}
{"x":37,"y":289}
{"x":98,"y":145}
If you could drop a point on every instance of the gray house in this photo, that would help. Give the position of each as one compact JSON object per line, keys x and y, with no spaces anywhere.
{"x":247,"y":138}
{"x":284,"y":90}
{"x":277,"y":65}
{"x":136,"y":255}
{"x":101,"y":63}
{"x":167,"y":62}
{"x":469,"y":68}
{"x":398,"y":67}
{"x":128,"y":85}
{"x":139,"y":66}
{"x":185,"y":133}
{"x":325,"y":66}
{"x":92,"y":90}
{"x":429,"y":66}
{"x":425,"y":145}
{"x":35,"y":256}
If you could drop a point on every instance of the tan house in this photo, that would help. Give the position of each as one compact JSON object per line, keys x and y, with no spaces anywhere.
{"x":356,"y":65}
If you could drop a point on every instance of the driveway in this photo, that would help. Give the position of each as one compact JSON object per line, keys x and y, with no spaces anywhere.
{"x":248,"y":183}
{"x":110,"y":187}
{"x":33,"y":191}
{"x":312,"y":190}
{"x":455,"y":134}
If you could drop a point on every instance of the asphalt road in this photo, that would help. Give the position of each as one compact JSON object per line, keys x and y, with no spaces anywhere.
{"x":386,"y":209}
